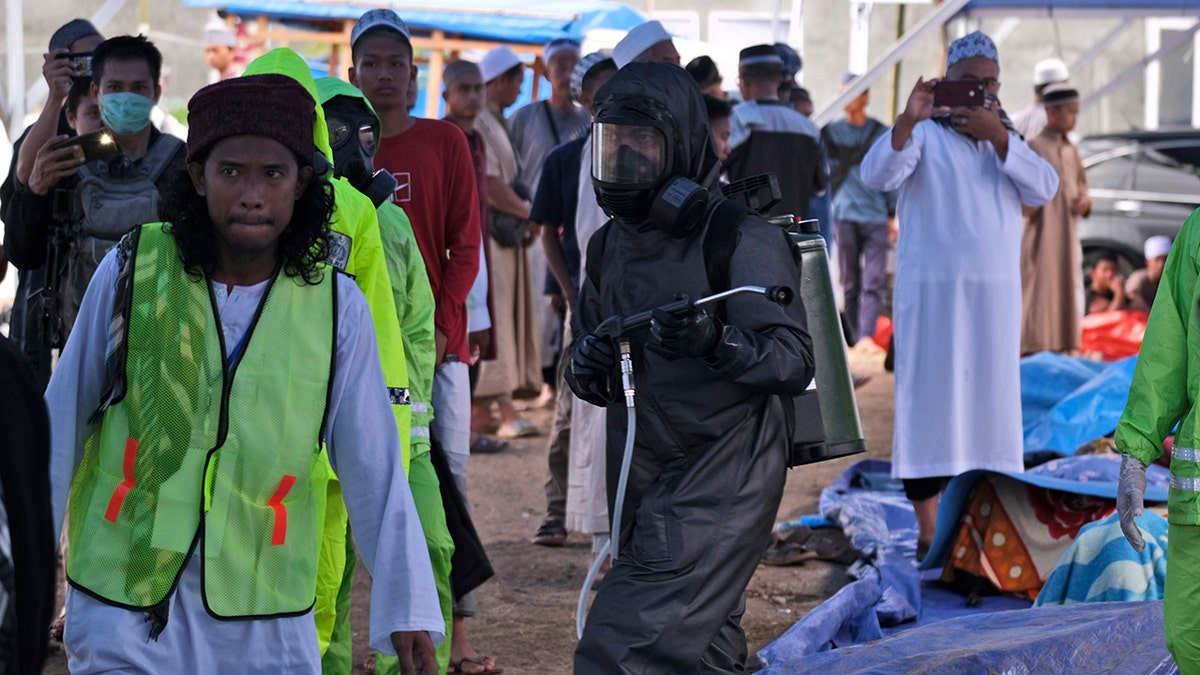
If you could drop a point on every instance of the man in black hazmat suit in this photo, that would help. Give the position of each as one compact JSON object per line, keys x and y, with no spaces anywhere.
{"x":712,"y":432}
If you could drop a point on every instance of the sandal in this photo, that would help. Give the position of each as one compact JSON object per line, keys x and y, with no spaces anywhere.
{"x":483,"y":445}
{"x":552,"y":532}
{"x":518,"y":428}
{"x":476,"y":665}
{"x":804,"y":543}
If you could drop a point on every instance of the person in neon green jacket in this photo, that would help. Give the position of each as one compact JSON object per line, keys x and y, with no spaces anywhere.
{"x":354,"y":134}
{"x":1164,"y":391}
{"x":357,"y":250}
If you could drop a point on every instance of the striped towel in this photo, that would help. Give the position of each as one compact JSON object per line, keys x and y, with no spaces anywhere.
{"x":1100,"y":566}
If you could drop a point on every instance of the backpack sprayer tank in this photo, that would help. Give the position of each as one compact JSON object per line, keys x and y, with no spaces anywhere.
{"x":827,"y":425}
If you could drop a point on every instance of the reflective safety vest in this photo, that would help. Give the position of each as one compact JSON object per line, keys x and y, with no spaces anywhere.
{"x":208,"y":449}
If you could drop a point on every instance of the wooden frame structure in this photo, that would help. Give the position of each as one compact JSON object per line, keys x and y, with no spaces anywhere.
{"x":433,"y":48}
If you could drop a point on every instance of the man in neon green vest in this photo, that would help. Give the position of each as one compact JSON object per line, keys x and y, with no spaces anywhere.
{"x":214,"y":355}
{"x":353,"y":137}
{"x":358,"y":251}
{"x":1164,"y":392}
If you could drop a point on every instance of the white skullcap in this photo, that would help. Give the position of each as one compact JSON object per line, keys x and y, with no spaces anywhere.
{"x":560,"y":45}
{"x":1157,"y":247}
{"x":497,"y":62}
{"x":638,"y":40}
{"x":219,"y":33}
{"x":1049,"y":72}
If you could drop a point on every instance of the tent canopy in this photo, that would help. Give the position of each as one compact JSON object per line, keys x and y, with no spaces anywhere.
{"x":1107,"y":8}
{"x":536,"y":22}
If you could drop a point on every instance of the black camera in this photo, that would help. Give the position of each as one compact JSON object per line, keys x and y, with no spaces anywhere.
{"x":82,"y":61}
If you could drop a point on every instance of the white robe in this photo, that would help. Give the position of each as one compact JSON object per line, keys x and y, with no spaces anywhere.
{"x":587,"y":500}
{"x":957,"y":306}
{"x":364,"y":449}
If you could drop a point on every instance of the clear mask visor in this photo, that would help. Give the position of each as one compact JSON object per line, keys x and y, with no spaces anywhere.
{"x":628,"y":154}
{"x":341,"y":130}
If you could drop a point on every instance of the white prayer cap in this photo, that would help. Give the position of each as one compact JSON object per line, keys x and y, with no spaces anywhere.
{"x":497,"y":62}
{"x":1157,"y":247}
{"x":972,"y":44}
{"x":638,"y":40}
{"x":1049,"y":72}
{"x":560,"y":45}
{"x":585,"y":66}
{"x":218,"y":32}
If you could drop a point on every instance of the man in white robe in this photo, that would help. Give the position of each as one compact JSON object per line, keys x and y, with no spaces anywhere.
{"x":239,"y":155}
{"x":963,"y":174}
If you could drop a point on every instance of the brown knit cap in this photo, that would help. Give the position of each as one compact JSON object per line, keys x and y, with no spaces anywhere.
{"x":270,"y":105}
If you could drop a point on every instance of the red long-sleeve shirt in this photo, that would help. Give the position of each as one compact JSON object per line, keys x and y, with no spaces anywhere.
{"x":436,"y":188}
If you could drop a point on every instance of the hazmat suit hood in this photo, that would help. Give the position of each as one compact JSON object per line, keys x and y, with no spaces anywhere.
{"x":284,"y":61}
{"x":652,"y":96}
{"x":345,"y":107}
{"x":331,"y":87}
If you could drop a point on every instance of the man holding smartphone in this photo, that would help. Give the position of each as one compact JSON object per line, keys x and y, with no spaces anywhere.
{"x":962,"y":175}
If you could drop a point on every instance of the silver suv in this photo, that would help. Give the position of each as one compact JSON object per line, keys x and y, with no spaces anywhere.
{"x":1142,"y":183}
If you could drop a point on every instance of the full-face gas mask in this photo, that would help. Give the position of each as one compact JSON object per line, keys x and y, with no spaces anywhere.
{"x":354,"y":137}
{"x":638,"y":171}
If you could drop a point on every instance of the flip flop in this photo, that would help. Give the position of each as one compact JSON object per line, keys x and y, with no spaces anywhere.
{"x":804,"y":543}
{"x":787,"y":549}
{"x":484,"y":445}
{"x":552,"y":532}
{"x":479,"y":664}
{"x":518,"y":428}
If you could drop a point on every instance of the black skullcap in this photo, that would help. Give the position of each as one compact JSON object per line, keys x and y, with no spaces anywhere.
{"x":1059,"y":94}
{"x":704,"y":71}
{"x":269,"y":105}
{"x":799,"y":94}
{"x":757,"y":54}
{"x":792,"y":63}
{"x":72,"y":32}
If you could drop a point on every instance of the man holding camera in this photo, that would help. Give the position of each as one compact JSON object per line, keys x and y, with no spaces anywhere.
{"x":93,"y":199}
{"x":76,"y":38}
{"x":963,"y":174}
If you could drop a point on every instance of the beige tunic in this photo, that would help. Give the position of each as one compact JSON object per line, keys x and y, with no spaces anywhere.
{"x":1051,"y":259}
{"x":517,"y":367}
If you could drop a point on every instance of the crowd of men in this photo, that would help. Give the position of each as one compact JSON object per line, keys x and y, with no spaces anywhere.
{"x":280,"y":337}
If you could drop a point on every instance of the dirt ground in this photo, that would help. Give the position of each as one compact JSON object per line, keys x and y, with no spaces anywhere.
{"x":526,"y":613}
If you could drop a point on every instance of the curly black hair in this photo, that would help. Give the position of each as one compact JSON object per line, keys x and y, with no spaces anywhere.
{"x":303,"y":245}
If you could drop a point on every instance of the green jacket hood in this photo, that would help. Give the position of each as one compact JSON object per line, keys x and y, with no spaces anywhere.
{"x":284,"y":61}
{"x":331,"y":87}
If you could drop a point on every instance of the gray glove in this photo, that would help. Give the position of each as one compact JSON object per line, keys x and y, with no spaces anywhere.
{"x":1129,"y":499}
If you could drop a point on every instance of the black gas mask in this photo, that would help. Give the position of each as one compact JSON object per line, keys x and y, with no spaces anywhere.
{"x":354,"y":137}
{"x":640,"y":175}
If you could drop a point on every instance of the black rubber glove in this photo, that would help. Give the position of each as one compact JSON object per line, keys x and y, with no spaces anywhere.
{"x":592,"y":361}
{"x":690,"y":333}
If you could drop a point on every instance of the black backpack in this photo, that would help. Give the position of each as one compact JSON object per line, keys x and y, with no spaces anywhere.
{"x":110,"y":200}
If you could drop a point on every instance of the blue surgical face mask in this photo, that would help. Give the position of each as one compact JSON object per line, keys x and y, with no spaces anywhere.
{"x":125,"y":112}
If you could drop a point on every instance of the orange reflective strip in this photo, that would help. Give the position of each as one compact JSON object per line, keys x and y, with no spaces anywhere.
{"x":276,"y":504}
{"x":118,"y":496}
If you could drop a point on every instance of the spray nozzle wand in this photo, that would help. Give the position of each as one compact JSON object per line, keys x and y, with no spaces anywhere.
{"x":780,"y":295}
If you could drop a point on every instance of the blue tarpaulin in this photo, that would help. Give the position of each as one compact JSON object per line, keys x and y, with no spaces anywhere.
{"x":1067,"y":401}
{"x":1101,"y":637}
{"x":888,"y":595}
